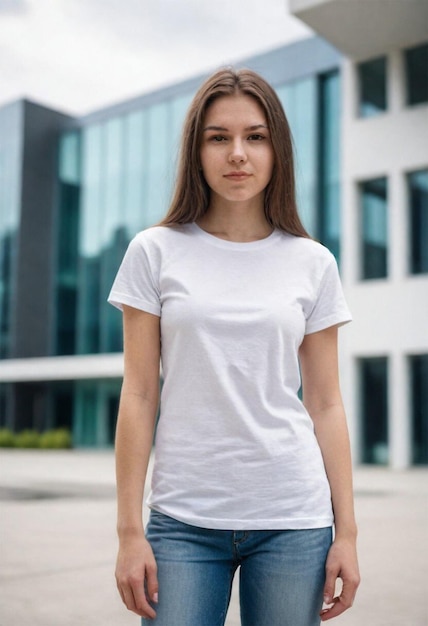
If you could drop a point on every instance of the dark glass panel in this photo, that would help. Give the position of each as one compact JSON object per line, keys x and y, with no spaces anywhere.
{"x":416,"y":62}
{"x":372,"y":87}
{"x":329,"y":162}
{"x":419,"y":407}
{"x":374,"y":228}
{"x":418,"y":208}
{"x":374,"y":409}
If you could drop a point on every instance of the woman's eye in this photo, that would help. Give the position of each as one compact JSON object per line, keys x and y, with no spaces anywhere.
{"x":217,"y":138}
{"x":256,"y":137}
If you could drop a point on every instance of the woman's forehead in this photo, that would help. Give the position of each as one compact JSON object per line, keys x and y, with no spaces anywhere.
{"x":237,"y":108}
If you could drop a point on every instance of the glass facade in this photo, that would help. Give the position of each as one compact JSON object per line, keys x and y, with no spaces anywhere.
{"x":312,"y":107}
{"x":374,"y":228}
{"x":419,"y":407}
{"x":329,"y":223}
{"x":299,"y":100}
{"x":88,"y":408}
{"x":67,"y":238}
{"x":416,"y":67}
{"x":95,"y":412}
{"x":374,"y":410}
{"x":417,"y":185}
{"x":372,"y":87}
{"x":10,"y":191}
{"x":125,"y":181}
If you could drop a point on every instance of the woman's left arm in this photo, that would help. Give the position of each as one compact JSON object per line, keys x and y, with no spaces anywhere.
{"x":323,"y":401}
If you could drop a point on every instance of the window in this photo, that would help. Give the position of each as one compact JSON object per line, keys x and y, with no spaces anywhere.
{"x":299,"y":99}
{"x":416,"y":64}
{"x":419,"y":407}
{"x":374,"y":410}
{"x":372,"y":87}
{"x":374,"y":229}
{"x":329,"y":162}
{"x":417,"y":184}
{"x":312,"y":106}
{"x":67,"y":243}
{"x":11,"y":133}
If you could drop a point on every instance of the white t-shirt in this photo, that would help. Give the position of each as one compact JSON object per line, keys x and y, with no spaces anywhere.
{"x":235,"y":447}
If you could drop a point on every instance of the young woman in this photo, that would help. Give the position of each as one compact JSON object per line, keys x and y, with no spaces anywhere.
{"x":241,"y":307}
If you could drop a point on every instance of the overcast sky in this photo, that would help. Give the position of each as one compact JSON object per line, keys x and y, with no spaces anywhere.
{"x":79,"y":55}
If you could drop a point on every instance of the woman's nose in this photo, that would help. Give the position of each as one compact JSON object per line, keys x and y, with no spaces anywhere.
{"x":237,"y":154}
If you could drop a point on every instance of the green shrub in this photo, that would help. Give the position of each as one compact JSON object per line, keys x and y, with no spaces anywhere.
{"x":27,"y":439}
{"x":7,"y":438}
{"x":56,"y":439}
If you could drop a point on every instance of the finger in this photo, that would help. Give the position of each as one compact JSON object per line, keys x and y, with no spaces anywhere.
{"x":330,"y":611}
{"x":121,"y":593}
{"x":339,"y":605}
{"x":136,"y":602}
{"x":128,"y":598}
{"x":331,"y":574}
{"x":142,"y":607}
{"x":152,"y":582}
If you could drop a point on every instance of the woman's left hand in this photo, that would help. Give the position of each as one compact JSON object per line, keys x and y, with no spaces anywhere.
{"x":341,"y":563}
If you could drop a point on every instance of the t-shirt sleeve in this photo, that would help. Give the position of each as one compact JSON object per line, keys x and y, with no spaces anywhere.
{"x":135,"y":284}
{"x":330,"y":306}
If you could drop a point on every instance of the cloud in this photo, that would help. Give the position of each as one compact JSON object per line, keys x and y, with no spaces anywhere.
{"x":80,"y":55}
{"x":13,"y":6}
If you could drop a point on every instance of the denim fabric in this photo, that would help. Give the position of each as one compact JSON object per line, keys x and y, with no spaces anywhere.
{"x":281,"y":573}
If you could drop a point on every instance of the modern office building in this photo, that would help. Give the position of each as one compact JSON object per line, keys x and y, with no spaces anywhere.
{"x":73,"y":192}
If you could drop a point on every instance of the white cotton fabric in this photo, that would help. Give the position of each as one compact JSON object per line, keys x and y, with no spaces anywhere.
{"x":235,"y":447}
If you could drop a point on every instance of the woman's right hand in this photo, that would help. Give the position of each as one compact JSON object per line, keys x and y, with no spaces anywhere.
{"x":136,"y":575}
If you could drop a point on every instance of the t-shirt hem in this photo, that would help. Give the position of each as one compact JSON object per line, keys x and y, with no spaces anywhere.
{"x":257,"y":524}
{"x":327,"y":322}
{"x":119,"y":299}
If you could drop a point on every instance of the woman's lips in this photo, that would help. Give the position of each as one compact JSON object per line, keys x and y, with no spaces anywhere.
{"x":237,"y":175}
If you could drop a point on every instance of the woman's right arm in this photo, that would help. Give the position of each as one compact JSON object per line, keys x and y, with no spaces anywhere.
{"x":136,"y":567}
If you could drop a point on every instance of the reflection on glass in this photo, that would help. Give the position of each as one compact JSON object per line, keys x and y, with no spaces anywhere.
{"x":135,"y":174}
{"x":372,"y":87}
{"x":374,"y":231}
{"x":67,"y":244}
{"x":417,"y":183}
{"x":329,"y":163}
{"x":128,"y":167}
{"x":159,"y":171}
{"x":299,"y":100}
{"x":10,"y":171}
{"x":416,"y":67}
{"x":374,"y":410}
{"x":95,"y":412}
{"x":178,"y":110}
{"x":90,"y":239}
{"x":419,"y":407}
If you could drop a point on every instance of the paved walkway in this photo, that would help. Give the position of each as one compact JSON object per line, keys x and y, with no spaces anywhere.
{"x":57,"y":518}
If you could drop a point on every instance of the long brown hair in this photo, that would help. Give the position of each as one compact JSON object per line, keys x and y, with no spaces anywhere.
{"x":191,"y":198}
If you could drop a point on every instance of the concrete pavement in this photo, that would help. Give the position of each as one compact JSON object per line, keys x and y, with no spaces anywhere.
{"x":58,"y":543}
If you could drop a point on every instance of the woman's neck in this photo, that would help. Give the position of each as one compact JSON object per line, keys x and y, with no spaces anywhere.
{"x":235,"y":223}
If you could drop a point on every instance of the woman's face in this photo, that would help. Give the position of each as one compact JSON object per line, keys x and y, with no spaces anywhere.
{"x":236,"y":151}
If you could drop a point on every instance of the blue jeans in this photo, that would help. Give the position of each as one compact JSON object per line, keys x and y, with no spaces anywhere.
{"x":282,"y":574}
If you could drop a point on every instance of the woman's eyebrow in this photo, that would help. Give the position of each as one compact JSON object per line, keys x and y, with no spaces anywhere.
{"x":248,"y":128}
{"x":256,"y":127}
{"x":215,"y":128}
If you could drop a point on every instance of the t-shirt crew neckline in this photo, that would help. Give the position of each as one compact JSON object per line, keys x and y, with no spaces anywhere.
{"x":234,"y":245}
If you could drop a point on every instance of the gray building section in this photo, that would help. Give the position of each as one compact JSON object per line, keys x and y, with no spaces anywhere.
{"x":11,"y":148}
{"x":29,"y":135}
{"x":31,"y":334}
